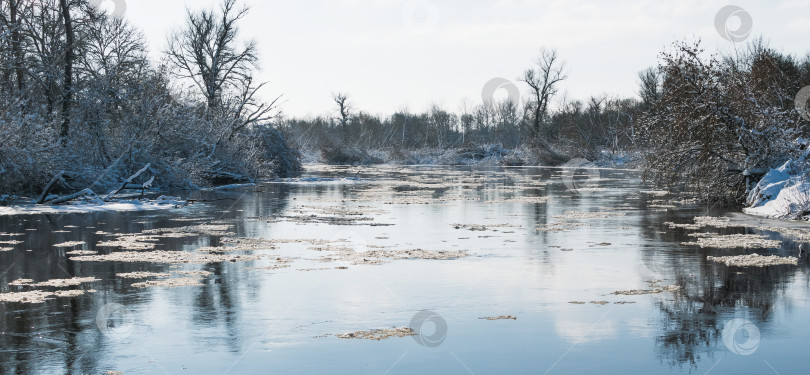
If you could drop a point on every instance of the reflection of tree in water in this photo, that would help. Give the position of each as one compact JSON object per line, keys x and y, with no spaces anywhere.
{"x":60,"y":335}
{"x":49,"y":333}
{"x":710,"y":295}
{"x":219,"y":300}
{"x":56,"y":332}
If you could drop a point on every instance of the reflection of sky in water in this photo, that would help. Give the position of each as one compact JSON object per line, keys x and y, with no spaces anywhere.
{"x":247,"y":321}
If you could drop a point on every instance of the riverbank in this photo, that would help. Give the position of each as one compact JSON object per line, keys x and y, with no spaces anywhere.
{"x":471,"y":155}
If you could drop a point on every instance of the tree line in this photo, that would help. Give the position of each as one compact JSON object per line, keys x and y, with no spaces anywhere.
{"x":576,"y":129}
{"x":711,"y":123}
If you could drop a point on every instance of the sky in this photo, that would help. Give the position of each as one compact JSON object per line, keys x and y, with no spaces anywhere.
{"x":391,"y":55}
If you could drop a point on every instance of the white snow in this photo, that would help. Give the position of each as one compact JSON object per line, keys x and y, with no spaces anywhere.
{"x":783,"y":193}
{"x":161,"y":203}
{"x":770,"y":185}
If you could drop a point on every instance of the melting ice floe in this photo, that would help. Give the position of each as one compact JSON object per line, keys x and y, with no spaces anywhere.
{"x":161,"y":203}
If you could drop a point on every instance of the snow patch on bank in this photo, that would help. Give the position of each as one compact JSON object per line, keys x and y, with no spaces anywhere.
{"x":161,"y":203}
{"x":782,"y":193}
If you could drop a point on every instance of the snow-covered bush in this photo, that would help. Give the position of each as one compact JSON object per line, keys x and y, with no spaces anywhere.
{"x":28,"y":148}
{"x":721,"y":123}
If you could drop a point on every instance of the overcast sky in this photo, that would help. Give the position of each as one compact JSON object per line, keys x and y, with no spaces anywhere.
{"x":396,"y":54}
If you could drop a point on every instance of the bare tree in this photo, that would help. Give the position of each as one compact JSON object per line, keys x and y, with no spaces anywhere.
{"x":206,"y":51}
{"x":67,"y":79}
{"x":543,"y":79}
{"x":248,"y":110}
{"x":649,"y":86}
{"x":42,"y":33}
{"x":11,"y":29}
{"x":465,"y":121}
{"x":344,"y":109}
{"x":112,"y":50}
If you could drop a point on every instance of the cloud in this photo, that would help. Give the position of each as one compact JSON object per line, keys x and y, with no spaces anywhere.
{"x":313,"y":48}
{"x":801,"y":24}
{"x":584,"y":329}
{"x":794,"y":4}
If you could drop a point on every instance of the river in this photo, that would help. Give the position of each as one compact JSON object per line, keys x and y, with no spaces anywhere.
{"x":494,"y":271}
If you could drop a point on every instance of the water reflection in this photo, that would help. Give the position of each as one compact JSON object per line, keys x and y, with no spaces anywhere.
{"x":60,"y":335}
{"x":712,"y":295}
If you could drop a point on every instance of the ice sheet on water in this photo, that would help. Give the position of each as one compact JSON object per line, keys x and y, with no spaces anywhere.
{"x":161,"y":203}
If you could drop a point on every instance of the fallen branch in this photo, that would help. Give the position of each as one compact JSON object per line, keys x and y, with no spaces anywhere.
{"x":71,"y":197}
{"x":49,"y":186}
{"x":129,"y":180}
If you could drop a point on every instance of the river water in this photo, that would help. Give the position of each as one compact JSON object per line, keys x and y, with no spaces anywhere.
{"x":282,"y":269}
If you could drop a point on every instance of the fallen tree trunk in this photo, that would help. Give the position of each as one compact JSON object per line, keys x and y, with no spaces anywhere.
{"x":49,"y":186}
{"x":68,"y":198}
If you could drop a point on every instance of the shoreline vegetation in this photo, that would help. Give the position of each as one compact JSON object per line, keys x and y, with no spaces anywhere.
{"x":489,"y":155}
{"x":85,"y":114}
